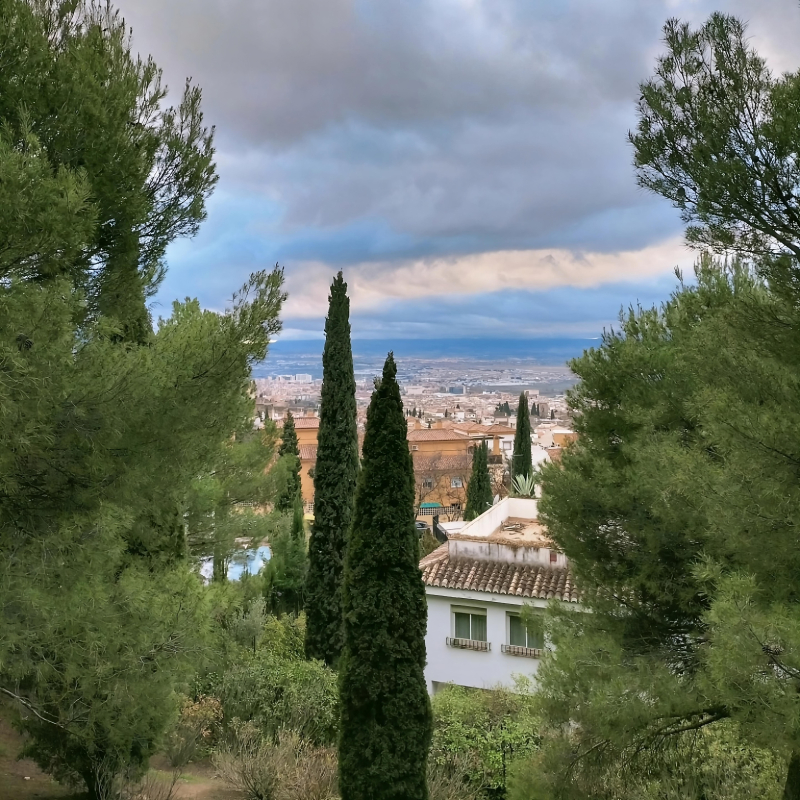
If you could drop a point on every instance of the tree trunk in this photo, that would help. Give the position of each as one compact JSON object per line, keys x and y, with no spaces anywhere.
{"x":791,"y":789}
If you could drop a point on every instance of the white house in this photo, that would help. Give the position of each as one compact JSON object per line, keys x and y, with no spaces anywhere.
{"x":477,"y":584}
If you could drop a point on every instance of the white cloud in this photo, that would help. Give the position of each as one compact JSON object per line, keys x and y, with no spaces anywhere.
{"x":370,"y":285}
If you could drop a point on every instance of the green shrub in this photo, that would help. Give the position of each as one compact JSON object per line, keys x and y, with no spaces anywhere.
{"x":484,"y":731}
{"x":278,"y":693}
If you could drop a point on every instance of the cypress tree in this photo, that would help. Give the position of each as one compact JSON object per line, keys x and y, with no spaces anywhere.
{"x":479,"y":489}
{"x":289,"y":449}
{"x":385,"y":710}
{"x":335,"y":476}
{"x":298,"y":526}
{"x":522,"y":462}
{"x":289,"y":437}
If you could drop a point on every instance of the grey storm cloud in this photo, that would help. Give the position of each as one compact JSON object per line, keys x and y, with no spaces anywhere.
{"x":380,"y":129}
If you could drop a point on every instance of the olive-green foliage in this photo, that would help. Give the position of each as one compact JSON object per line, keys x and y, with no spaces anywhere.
{"x":677,"y":509}
{"x":712,"y":764}
{"x":95,"y":469}
{"x":334,"y":482}
{"x":479,"y":488}
{"x":710,"y":106}
{"x":278,"y":693}
{"x":521,"y":459}
{"x":215,"y":517}
{"x":104,"y":423}
{"x":107,"y":693}
{"x":427,"y":543}
{"x":289,"y":464}
{"x":717,"y":135}
{"x":270,"y":684}
{"x":485,"y":731}
{"x":130,"y":173}
{"x":386,"y":717}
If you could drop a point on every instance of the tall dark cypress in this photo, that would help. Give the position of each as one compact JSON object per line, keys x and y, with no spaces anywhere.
{"x":289,"y":448}
{"x":385,"y":711}
{"x":335,"y":476}
{"x":479,"y":488}
{"x":522,"y":461}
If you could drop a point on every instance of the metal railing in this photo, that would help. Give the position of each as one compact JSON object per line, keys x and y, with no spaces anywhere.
{"x":442,"y":511}
{"x":468,"y":644}
{"x":517,"y":650}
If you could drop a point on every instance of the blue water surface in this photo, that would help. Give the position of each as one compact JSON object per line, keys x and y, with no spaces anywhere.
{"x":250,"y":561}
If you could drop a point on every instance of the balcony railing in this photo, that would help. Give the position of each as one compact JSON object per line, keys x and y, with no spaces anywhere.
{"x":468,"y":644}
{"x":517,"y":650}
{"x":443,"y":511}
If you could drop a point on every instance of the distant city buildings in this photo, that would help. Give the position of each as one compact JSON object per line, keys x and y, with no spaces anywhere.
{"x":451,"y":407}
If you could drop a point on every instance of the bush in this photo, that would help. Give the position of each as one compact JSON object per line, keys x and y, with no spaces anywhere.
{"x":483,"y":732}
{"x":278,"y":694}
{"x":449,"y":780}
{"x":713,"y":763}
{"x":195,"y":731}
{"x":427,"y":543}
{"x":288,"y":768}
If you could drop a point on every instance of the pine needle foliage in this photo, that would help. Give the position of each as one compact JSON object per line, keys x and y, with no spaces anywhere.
{"x":522,"y":463}
{"x":386,"y":715}
{"x":335,"y":475}
{"x":479,"y":489}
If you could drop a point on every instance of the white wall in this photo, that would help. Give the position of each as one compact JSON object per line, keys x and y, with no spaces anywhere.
{"x":491,"y":519}
{"x":482,"y":670}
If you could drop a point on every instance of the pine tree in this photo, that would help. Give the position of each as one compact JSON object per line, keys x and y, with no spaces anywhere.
{"x":522,"y":462}
{"x":335,"y":476}
{"x":385,"y":710}
{"x":289,"y":451}
{"x":479,"y":489}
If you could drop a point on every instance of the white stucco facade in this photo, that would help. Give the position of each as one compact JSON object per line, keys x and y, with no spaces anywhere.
{"x":488,"y":573}
{"x":479,"y":669}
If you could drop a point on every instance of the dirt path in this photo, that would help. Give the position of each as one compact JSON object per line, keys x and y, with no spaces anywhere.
{"x":23,"y":780}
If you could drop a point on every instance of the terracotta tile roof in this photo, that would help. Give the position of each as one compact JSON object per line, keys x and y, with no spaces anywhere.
{"x":308,"y":452}
{"x":306,"y":422}
{"x":498,"y":577}
{"x":471,"y":427}
{"x":434,"y":435}
{"x":302,"y":422}
{"x":501,"y":430}
{"x":443,"y":463}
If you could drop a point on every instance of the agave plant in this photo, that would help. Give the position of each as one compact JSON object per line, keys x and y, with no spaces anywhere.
{"x":524,"y":486}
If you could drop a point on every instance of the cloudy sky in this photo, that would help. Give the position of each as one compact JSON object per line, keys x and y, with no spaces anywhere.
{"x":464,"y":162}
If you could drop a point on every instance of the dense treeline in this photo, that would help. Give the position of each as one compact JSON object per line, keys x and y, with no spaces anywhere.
{"x":106,"y":425}
{"x":127,"y":453}
{"x":679,"y":503}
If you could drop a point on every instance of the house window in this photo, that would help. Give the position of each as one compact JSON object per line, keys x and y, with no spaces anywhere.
{"x":469,"y":623}
{"x":456,"y":483}
{"x":521,"y":634}
{"x":553,"y":557}
{"x":415,"y":447}
{"x":427,"y":483}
